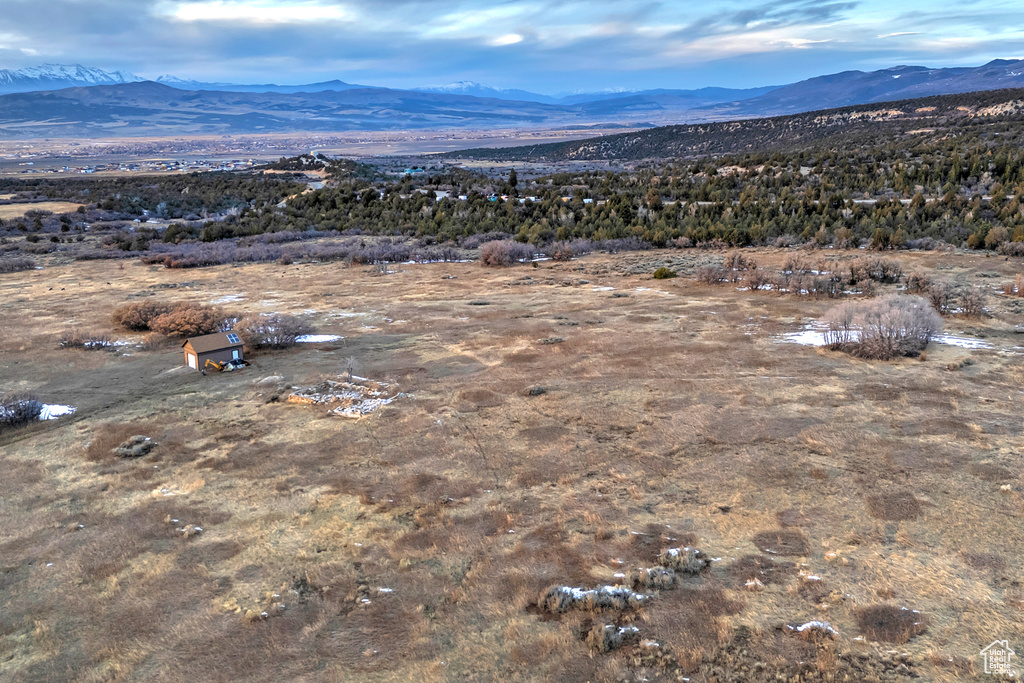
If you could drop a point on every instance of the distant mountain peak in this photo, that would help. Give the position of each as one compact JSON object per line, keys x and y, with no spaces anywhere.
{"x":54,"y":76}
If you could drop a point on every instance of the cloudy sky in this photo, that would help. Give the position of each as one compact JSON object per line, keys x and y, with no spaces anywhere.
{"x":548,"y":46}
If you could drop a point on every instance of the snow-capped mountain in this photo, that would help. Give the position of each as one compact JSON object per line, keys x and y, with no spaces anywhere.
{"x":474,"y":89}
{"x":56,"y":76}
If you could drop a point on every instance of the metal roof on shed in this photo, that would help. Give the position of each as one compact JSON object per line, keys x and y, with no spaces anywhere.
{"x":212,"y":342}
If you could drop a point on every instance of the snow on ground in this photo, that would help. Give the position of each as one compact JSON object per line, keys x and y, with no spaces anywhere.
{"x":962,"y":342}
{"x":815,"y":336}
{"x":227,"y":299}
{"x":317,"y":338}
{"x":52,"y":411}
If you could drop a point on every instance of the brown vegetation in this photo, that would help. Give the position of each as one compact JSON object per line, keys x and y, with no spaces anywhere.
{"x":262,"y":538}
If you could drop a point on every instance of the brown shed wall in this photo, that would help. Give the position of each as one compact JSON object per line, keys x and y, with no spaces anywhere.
{"x":220,"y":355}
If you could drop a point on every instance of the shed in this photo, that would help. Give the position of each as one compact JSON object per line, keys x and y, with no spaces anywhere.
{"x":220,"y":347}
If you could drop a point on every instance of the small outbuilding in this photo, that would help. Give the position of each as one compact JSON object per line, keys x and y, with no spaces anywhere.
{"x":220,"y":347}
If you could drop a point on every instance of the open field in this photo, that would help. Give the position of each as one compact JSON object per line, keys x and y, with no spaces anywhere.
{"x":553,"y":432}
{"x":48,"y":155}
{"x":8,"y":211}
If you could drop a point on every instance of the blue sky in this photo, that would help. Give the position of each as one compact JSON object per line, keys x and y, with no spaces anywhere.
{"x":541,"y":45}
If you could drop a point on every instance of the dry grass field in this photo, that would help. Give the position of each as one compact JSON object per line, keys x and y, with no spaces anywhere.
{"x":9,"y":211}
{"x":553,"y":432}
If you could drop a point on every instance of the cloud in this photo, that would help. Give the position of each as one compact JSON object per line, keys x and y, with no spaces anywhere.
{"x":257,"y":11}
{"x":540,"y":45}
{"x":507,"y":39}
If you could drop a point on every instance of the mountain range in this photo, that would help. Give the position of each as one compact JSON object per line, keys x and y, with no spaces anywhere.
{"x":77,"y":101}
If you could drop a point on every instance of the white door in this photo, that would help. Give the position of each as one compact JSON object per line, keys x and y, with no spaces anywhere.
{"x":192,"y":362}
{"x":236,"y":354}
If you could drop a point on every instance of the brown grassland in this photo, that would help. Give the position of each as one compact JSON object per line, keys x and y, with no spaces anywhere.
{"x":415,"y":543}
{"x":9,"y":211}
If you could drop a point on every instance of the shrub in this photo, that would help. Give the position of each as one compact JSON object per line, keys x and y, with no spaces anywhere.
{"x":711,"y":275}
{"x":1012,"y":248}
{"x":939,"y":296}
{"x":136,"y":317}
{"x":624,"y":244}
{"x":757,"y":279}
{"x":19,"y":409}
{"x":664,"y":273}
{"x":996,"y":236}
{"x":475,"y":241}
{"x":76,"y":339}
{"x":736,"y":261}
{"x":274,"y":331}
{"x":927,"y":244}
{"x":918,"y":283}
{"x":873,"y":268}
{"x":13,"y":265}
{"x":565,"y":250}
{"x":155,"y":341}
{"x":882,"y":329}
{"x":972,"y":303}
{"x":867,"y":288}
{"x":189,"y":320}
{"x":505,"y":253}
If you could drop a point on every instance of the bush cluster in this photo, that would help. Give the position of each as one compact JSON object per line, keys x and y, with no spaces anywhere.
{"x":506,"y":253}
{"x":172,"y":320}
{"x":76,"y":339}
{"x":275,"y":331}
{"x":19,"y":409}
{"x":14,"y":265}
{"x":889,"y":327}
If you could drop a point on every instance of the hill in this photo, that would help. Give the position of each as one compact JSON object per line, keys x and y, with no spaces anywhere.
{"x":768,"y":134}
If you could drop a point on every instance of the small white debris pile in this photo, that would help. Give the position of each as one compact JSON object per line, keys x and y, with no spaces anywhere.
{"x":558,"y":599}
{"x":814,"y":630}
{"x":608,"y":637}
{"x":684,"y":560}
{"x":352,"y":396}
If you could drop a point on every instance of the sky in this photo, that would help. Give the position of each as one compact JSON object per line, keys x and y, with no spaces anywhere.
{"x":545,"y":46}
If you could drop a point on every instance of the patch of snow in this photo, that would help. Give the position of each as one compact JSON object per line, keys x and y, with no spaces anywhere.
{"x":227,"y":299}
{"x":819,"y":625}
{"x":809,"y":336}
{"x":317,"y":338}
{"x":603,"y":289}
{"x":52,"y":412}
{"x":962,"y":342}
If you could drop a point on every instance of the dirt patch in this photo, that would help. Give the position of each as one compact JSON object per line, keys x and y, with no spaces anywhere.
{"x":891,"y":624}
{"x":482,"y":398}
{"x":783,"y":542}
{"x":990,"y":471}
{"x":751,"y":568}
{"x":893,"y":506}
{"x":546,"y":434}
{"x":799,"y":517}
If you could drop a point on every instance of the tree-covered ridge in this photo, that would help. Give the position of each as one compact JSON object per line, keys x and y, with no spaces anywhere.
{"x":959,"y":182}
{"x":169,"y":196}
{"x":842,"y":127}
